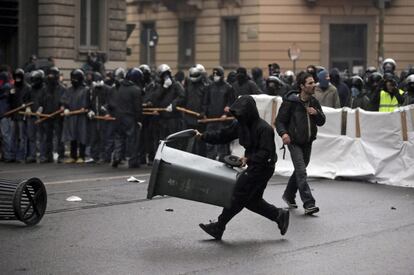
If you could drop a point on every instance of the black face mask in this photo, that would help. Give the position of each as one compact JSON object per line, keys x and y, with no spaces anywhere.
{"x":37,"y":84}
{"x":52,"y":81}
{"x":18,"y":83}
{"x":75,"y":83}
{"x":241,"y":78}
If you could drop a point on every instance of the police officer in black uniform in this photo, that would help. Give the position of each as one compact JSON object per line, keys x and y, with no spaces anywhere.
{"x":126,"y":107}
{"x":52,"y":127}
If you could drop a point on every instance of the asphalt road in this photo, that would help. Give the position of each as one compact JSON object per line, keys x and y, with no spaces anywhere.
{"x":362,"y":229}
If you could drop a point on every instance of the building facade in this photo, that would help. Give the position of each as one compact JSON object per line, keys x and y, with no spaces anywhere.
{"x":231,"y":33}
{"x":66,"y":30}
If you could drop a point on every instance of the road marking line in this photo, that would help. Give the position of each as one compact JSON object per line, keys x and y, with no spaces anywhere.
{"x":18,"y":171}
{"x":94,"y":179}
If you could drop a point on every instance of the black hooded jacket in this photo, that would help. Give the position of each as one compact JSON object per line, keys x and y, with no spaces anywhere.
{"x":162,"y":97}
{"x":294,"y":120}
{"x":254,"y":134}
{"x":51,"y":98}
{"x":219,"y":95}
{"x":127,"y":101}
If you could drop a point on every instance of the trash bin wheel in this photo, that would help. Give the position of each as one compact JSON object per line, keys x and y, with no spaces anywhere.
{"x":232,"y":161}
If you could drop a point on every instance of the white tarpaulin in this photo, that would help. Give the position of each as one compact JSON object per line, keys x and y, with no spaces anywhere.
{"x":378,"y":147}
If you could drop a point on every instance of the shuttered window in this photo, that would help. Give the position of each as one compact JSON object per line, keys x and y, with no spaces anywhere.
{"x":90,"y":18}
{"x":186,"y":44}
{"x":147,"y":49}
{"x":230,"y":42}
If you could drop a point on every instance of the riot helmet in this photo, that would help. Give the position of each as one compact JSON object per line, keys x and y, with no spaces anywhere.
{"x":77,"y":77}
{"x":289,"y":77}
{"x":97,"y":80}
{"x":195,"y":74}
{"x":37,"y":78}
{"x":274,"y":85}
{"x":146,"y":71}
{"x":119,"y":74}
{"x":135,"y":76}
{"x":164,"y":75}
{"x":410,"y":83}
{"x":370,"y":70}
{"x":18,"y":76}
{"x":389,"y":65}
{"x":53,"y":75}
{"x":163,"y":70}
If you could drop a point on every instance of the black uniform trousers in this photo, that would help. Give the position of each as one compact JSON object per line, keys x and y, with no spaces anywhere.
{"x":127,"y":134}
{"x":51,"y":129}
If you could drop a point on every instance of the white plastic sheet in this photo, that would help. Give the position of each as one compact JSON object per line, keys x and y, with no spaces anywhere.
{"x":379,"y":155}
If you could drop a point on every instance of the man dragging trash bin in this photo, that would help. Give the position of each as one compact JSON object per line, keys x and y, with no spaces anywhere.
{"x":257,"y":137}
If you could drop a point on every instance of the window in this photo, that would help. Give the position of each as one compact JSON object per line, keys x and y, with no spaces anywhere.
{"x":230,"y":42}
{"x":147,"y":45}
{"x":90,"y":23}
{"x":348,"y":47}
{"x":186,"y":44}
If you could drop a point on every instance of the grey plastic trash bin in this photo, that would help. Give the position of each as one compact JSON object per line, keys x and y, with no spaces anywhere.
{"x":184,"y":175}
{"x":23,"y":200}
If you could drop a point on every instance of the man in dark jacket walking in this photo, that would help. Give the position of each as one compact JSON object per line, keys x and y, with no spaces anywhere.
{"x":296,"y":123}
{"x":257,"y":137}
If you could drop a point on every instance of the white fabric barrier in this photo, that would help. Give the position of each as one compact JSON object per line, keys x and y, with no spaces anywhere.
{"x":372,"y":147}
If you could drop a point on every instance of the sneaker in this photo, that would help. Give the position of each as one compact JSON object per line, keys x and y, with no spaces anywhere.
{"x":80,"y":160}
{"x":290,"y":203}
{"x":283,"y":221}
{"x":213,"y":230}
{"x":90,"y":160}
{"x":310,"y":210}
{"x":70,"y":160}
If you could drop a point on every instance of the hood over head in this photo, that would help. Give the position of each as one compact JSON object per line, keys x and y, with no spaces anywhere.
{"x":244,"y":109}
{"x":335,"y":76}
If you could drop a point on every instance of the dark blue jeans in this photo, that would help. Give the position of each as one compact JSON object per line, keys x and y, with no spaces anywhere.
{"x":300,"y":155}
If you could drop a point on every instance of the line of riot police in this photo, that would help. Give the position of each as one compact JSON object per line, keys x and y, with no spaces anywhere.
{"x":104,"y":118}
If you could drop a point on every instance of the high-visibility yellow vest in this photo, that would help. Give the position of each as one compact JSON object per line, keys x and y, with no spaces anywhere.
{"x":388,"y":104}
